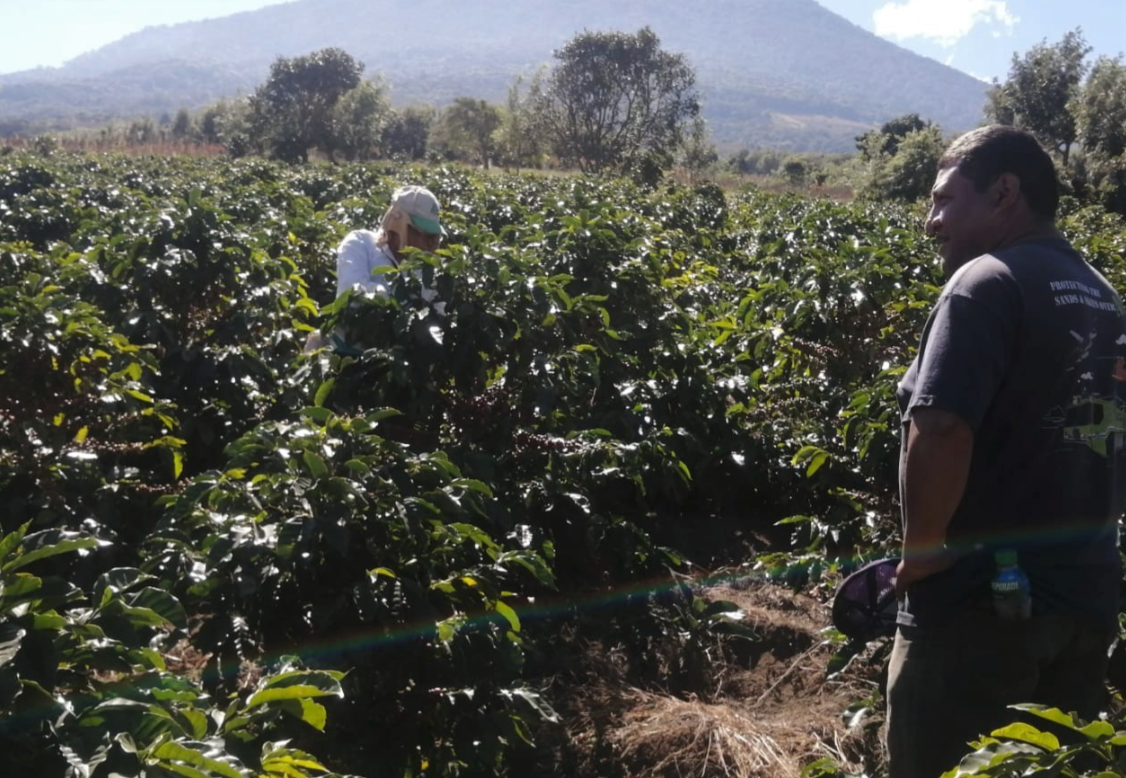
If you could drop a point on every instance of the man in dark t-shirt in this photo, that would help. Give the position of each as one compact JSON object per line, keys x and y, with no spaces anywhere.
{"x":1014,"y":438}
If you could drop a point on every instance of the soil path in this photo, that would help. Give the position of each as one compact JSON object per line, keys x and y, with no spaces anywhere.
{"x":772,"y":709}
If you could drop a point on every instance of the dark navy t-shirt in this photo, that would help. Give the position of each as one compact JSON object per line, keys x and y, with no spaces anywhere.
{"x":1028,"y":346}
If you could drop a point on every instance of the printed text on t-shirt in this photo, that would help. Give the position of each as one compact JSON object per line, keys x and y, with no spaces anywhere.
{"x":1087,"y":295}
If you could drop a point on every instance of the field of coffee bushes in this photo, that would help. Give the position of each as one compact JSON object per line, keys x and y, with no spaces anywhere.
{"x":222,"y":557}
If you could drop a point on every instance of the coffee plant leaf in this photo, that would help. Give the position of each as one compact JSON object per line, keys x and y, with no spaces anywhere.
{"x":47,"y":543}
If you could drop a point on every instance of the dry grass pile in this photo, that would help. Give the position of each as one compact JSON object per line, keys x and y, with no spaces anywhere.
{"x":766,"y":708}
{"x":665,"y":737}
{"x":767,"y":718}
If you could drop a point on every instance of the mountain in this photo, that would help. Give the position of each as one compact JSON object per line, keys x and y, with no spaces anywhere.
{"x":778,"y":73}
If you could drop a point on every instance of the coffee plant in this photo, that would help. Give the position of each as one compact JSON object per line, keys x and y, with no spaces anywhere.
{"x":222,"y":556}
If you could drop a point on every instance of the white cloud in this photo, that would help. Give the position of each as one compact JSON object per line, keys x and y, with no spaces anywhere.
{"x":943,"y":21}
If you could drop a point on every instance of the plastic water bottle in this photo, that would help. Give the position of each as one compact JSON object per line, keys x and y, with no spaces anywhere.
{"x":1012,"y":592}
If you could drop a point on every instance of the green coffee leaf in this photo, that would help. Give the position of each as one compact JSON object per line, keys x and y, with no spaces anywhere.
{"x":48,"y":543}
{"x":162,"y":603}
{"x":10,"y":638}
{"x":308,"y":711}
{"x":1028,"y":734}
{"x":323,"y":392}
{"x":171,"y":755}
{"x":509,"y":614}
{"x":315,"y":464}
{"x":266,"y":696}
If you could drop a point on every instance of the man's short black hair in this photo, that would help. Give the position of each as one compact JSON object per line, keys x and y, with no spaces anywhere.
{"x":982,"y":155}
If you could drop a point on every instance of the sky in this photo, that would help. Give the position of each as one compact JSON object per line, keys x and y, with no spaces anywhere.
{"x":975,"y":36}
{"x":979,"y":36}
{"x":35,"y":33}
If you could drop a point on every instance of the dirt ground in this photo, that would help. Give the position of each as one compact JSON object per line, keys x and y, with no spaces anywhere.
{"x":770,"y":709}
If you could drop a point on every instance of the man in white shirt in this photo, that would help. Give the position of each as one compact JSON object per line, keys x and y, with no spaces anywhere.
{"x":412,"y":221}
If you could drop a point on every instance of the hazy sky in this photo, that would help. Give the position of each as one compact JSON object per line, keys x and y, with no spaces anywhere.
{"x":49,"y":32}
{"x":975,"y":36}
{"x":980,"y":36}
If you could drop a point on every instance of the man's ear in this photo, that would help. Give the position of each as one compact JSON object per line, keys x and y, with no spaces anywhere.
{"x":1006,"y":191}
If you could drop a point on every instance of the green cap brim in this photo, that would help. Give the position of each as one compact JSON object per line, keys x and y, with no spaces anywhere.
{"x":430,"y":226}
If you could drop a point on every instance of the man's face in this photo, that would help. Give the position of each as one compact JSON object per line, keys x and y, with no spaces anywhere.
{"x":416,"y":239}
{"x":394,"y":242}
{"x":961,"y":219}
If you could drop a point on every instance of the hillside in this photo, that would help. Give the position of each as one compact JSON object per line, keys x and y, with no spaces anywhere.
{"x":784,"y":73}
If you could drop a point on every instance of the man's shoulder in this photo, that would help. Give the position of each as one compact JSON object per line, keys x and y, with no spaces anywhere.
{"x":985,"y":266}
{"x":366,"y":244}
{"x":365,"y":238}
{"x":989,"y":273}
{"x":1040,"y":254}
{"x":1016,"y":264}
{"x":1052,"y":260}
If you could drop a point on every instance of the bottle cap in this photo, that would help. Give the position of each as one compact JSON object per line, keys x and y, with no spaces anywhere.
{"x":1006,"y":558}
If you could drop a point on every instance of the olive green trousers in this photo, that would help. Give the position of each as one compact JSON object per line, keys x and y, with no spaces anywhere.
{"x":951,"y":684}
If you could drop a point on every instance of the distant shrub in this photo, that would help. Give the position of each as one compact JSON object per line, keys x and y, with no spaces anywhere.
{"x":45,"y":145}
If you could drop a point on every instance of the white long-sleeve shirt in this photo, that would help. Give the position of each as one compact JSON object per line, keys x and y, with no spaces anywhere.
{"x":359,"y":255}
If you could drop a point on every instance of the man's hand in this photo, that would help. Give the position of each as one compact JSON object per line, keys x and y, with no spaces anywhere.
{"x":911,"y":570}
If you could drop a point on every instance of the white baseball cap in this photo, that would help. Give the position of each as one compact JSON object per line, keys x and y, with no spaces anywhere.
{"x":421,"y":206}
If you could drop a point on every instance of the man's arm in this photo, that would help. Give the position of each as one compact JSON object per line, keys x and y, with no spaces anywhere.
{"x":356,"y":259}
{"x":939,"y":449}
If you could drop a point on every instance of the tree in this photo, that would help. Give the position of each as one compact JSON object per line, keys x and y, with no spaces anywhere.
{"x":468,"y":127}
{"x":795,"y":171}
{"x":698,"y":152}
{"x":518,"y":139}
{"x":209,"y":123}
{"x":142,"y":131}
{"x":407,"y":133}
{"x":231,"y":124}
{"x":908,"y":173}
{"x":1101,"y":109}
{"x":886,"y":139}
{"x":295,"y":106}
{"x":1039,"y":89}
{"x":1100,"y":113}
{"x":359,"y":118}
{"x":618,"y":101}
{"x":748,"y":162}
{"x":182,"y":126}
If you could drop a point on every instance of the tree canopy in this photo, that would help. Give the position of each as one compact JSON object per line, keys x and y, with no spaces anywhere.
{"x":614,"y":99}
{"x":902,"y":166}
{"x":519,"y":138}
{"x":1101,"y":109}
{"x":886,"y":139}
{"x":1041,"y":85}
{"x":468,"y":127}
{"x":359,"y":118}
{"x":1100,"y":113}
{"x":407,"y":133}
{"x":294,"y":108}
{"x":1053,"y":92}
